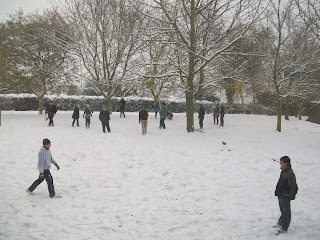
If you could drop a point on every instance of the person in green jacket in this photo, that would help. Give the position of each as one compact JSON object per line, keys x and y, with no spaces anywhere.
{"x":163,"y":115}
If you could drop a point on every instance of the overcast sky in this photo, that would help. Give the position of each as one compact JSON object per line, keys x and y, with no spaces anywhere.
{"x":11,"y":6}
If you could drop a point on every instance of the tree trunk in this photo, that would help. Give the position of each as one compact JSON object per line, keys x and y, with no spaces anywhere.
{"x":189,"y":92}
{"x":108,"y":105}
{"x":201,"y":81}
{"x":253,"y":106}
{"x":296,"y":108}
{"x":286,"y":110}
{"x":299,"y":111}
{"x":190,"y":111}
{"x":230,"y":90}
{"x":278,"y":108}
{"x":41,"y":100}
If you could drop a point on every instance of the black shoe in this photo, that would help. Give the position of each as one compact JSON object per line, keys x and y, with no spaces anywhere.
{"x":281,"y":231}
{"x":28,"y":191}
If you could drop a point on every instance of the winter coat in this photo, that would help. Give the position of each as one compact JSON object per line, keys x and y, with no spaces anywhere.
{"x":201,"y":113}
{"x":143,"y":115}
{"x":51,"y":109}
{"x":45,"y":159}
{"x":216,"y":111}
{"x":163,"y":112}
{"x":76,"y":113}
{"x":87,"y":112}
{"x":287,"y":187}
{"x":122,"y":105}
{"x":104,"y":116}
{"x":222,"y":109}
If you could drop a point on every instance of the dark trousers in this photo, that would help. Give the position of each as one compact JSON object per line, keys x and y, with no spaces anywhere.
{"x":49,"y":179}
{"x":222,"y":121}
{"x":285,"y":210}
{"x":87,"y":122}
{"x":50,"y":120}
{"x":162,"y":124}
{"x":122,"y":113}
{"x":216,"y":118}
{"x":201,"y":122}
{"x":104,"y":125}
{"x":75,"y":120}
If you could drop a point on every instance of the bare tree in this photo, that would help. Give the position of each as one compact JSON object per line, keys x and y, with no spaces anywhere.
{"x":301,"y":58}
{"x":156,"y":65}
{"x":106,"y":38}
{"x":277,"y":15}
{"x":309,"y":11}
{"x":203,"y":30}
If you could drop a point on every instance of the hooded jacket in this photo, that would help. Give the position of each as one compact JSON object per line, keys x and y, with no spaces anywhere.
{"x":287,"y":187}
{"x":45,"y":159}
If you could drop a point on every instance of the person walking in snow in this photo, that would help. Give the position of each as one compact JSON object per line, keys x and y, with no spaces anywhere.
{"x":216,"y":112}
{"x":87,"y":114}
{"x":286,"y":191}
{"x":201,"y":116}
{"x":44,"y":164}
{"x":222,"y":110}
{"x":51,"y":110}
{"x":104,"y":117}
{"x":122,"y":107}
{"x":156,"y":109}
{"x":163,"y":115}
{"x":143,"y":119}
{"x":76,"y":115}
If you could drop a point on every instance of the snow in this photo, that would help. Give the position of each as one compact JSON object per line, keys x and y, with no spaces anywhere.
{"x":168,"y":184}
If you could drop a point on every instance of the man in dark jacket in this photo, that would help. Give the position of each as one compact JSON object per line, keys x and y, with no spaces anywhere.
{"x":201,"y":116}
{"x":51,"y":110}
{"x":216,"y":112}
{"x":122,"y":107}
{"x":222,"y":110}
{"x":76,"y":115}
{"x":286,"y":191}
{"x":143,"y":118}
{"x":87,"y":114}
{"x":104,"y":117}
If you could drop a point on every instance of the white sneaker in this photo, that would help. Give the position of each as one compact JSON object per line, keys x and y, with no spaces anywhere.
{"x":28,"y":191}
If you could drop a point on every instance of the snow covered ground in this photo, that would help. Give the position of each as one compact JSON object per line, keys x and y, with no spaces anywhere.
{"x":168,"y":184}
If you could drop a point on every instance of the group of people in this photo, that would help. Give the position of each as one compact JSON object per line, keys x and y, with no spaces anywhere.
{"x":104,"y":116}
{"x":87,"y":114}
{"x":286,"y":188}
{"x":217,"y":111}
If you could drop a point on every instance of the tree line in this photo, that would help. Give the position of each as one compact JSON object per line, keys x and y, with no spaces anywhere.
{"x":248,"y":48}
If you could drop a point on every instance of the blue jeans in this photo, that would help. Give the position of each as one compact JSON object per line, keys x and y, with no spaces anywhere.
{"x":285,"y":209}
